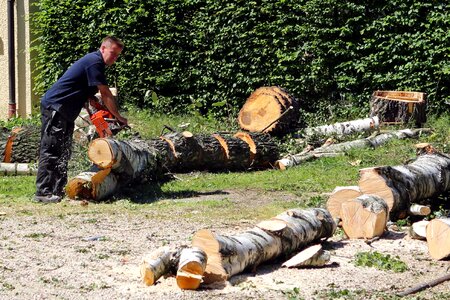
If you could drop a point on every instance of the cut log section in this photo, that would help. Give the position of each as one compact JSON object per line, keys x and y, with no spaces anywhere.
{"x":340,"y":195}
{"x":365,"y":217}
{"x":418,"y":230}
{"x":191,"y":268}
{"x":97,"y":185}
{"x":399,"y":186}
{"x":312,"y":256}
{"x":438,"y":238}
{"x":396,"y":107}
{"x":270,"y":110}
{"x":419,"y":210}
{"x":366,"y":125}
{"x":159,"y":263}
{"x":283,"y":235}
{"x":263,"y":151}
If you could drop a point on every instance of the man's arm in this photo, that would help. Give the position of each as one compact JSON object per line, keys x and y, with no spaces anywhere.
{"x":110,"y":103}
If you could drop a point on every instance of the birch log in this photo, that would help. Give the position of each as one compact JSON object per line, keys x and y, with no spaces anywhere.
{"x":191,"y":268}
{"x":159,"y":263}
{"x":364,"y":217}
{"x":340,"y":195}
{"x":345,"y":128}
{"x":12,"y":169}
{"x":400,"y":186}
{"x":340,"y":148}
{"x":438,"y":238}
{"x":283,"y":235}
{"x":92,"y":185}
{"x":418,"y":230}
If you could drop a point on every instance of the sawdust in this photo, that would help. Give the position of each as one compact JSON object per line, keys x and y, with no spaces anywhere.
{"x":97,"y":256}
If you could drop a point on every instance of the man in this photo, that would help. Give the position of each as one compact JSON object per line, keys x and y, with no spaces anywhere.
{"x":61,"y":105}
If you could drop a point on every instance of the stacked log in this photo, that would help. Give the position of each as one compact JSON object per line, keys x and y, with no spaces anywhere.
{"x":399,"y":107}
{"x":283,"y":235}
{"x":269,"y":110}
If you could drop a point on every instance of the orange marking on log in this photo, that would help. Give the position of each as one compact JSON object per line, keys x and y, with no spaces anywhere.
{"x":224,"y":145}
{"x":171,"y":145}
{"x":9,"y":144}
{"x":248,"y":139}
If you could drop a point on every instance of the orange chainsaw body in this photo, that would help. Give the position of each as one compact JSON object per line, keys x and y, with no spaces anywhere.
{"x":101,"y":125}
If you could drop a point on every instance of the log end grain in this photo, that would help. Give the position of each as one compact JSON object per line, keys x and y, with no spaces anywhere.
{"x":438,"y":238}
{"x":101,"y":154}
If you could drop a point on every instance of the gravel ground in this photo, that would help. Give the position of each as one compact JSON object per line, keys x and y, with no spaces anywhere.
{"x":97,"y":256}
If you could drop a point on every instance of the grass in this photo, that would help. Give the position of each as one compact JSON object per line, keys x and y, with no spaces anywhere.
{"x":310,"y":181}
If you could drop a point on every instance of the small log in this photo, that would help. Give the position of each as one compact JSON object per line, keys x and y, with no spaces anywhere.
{"x":418,"y":230}
{"x":438,"y":238}
{"x":95,"y":185}
{"x":294,"y":229}
{"x":366,"y":125}
{"x":340,"y":195}
{"x":364,"y":217}
{"x":396,"y":107}
{"x":419,"y":210}
{"x":266,"y":110}
{"x":424,"y":286}
{"x":312,"y":256}
{"x":159,"y":263}
{"x":22,"y":145}
{"x":12,"y":169}
{"x":191,"y":268}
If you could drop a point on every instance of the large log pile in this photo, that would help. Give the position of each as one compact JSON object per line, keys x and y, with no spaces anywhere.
{"x":270,"y":110}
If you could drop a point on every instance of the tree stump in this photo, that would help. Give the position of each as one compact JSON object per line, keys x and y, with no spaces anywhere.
{"x":270,"y":110}
{"x":394,"y":107}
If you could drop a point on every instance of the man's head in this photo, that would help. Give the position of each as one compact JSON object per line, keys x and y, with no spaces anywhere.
{"x":111,"y":48}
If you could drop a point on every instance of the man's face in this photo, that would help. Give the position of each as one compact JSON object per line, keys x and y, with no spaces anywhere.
{"x":110,"y":53}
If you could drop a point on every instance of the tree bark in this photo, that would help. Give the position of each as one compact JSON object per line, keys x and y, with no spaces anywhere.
{"x":92,"y":185}
{"x":270,"y":110}
{"x":426,"y":177}
{"x":399,"y":107}
{"x":12,"y":169}
{"x":22,"y":145}
{"x":159,"y":263}
{"x":191,"y":268}
{"x":344,"y":128}
{"x":283,"y":235}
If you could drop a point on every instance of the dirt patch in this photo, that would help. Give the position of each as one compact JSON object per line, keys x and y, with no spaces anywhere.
{"x":95,"y":255}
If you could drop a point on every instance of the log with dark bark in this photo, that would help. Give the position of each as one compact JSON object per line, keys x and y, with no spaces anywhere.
{"x":400,"y":186}
{"x":263,"y":151}
{"x":281,"y":236}
{"x":399,"y":107}
{"x":22,"y":145}
{"x":270,"y":110}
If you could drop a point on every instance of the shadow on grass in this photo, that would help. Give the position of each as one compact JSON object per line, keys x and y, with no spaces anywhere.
{"x":151,"y":192}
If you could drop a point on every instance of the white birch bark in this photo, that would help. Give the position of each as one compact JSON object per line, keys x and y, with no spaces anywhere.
{"x":228,"y":256}
{"x":158,"y":263}
{"x":92,"y":185}
{"x":12,"y":169}
{"x":191,"y":268}
{"x":344,"y":128}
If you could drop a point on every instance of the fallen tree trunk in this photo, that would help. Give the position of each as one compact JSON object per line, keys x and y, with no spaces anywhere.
{"x":438,"y":238}
{"x":344,"y":128}
{"x":330,"y":150}
{"x":364,"y":217}
{"x":400,"y":186}
{"x":282,"y":235}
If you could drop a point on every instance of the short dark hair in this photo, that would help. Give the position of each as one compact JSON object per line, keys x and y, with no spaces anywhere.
{"x":113,"y":40}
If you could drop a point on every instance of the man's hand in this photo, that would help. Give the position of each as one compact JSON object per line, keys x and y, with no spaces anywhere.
{"x":110,"y":103}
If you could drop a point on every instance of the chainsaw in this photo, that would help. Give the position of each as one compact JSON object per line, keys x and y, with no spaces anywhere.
{"x":106,"y":125}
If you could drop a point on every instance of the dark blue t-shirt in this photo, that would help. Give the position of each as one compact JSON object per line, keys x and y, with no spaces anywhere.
{"x":71,"y":91}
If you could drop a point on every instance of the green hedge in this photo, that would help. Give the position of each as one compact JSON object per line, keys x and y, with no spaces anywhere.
{"x":209,"y":55}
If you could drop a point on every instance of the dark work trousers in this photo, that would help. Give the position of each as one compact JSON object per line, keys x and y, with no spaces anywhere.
{"x":54,"y":153}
